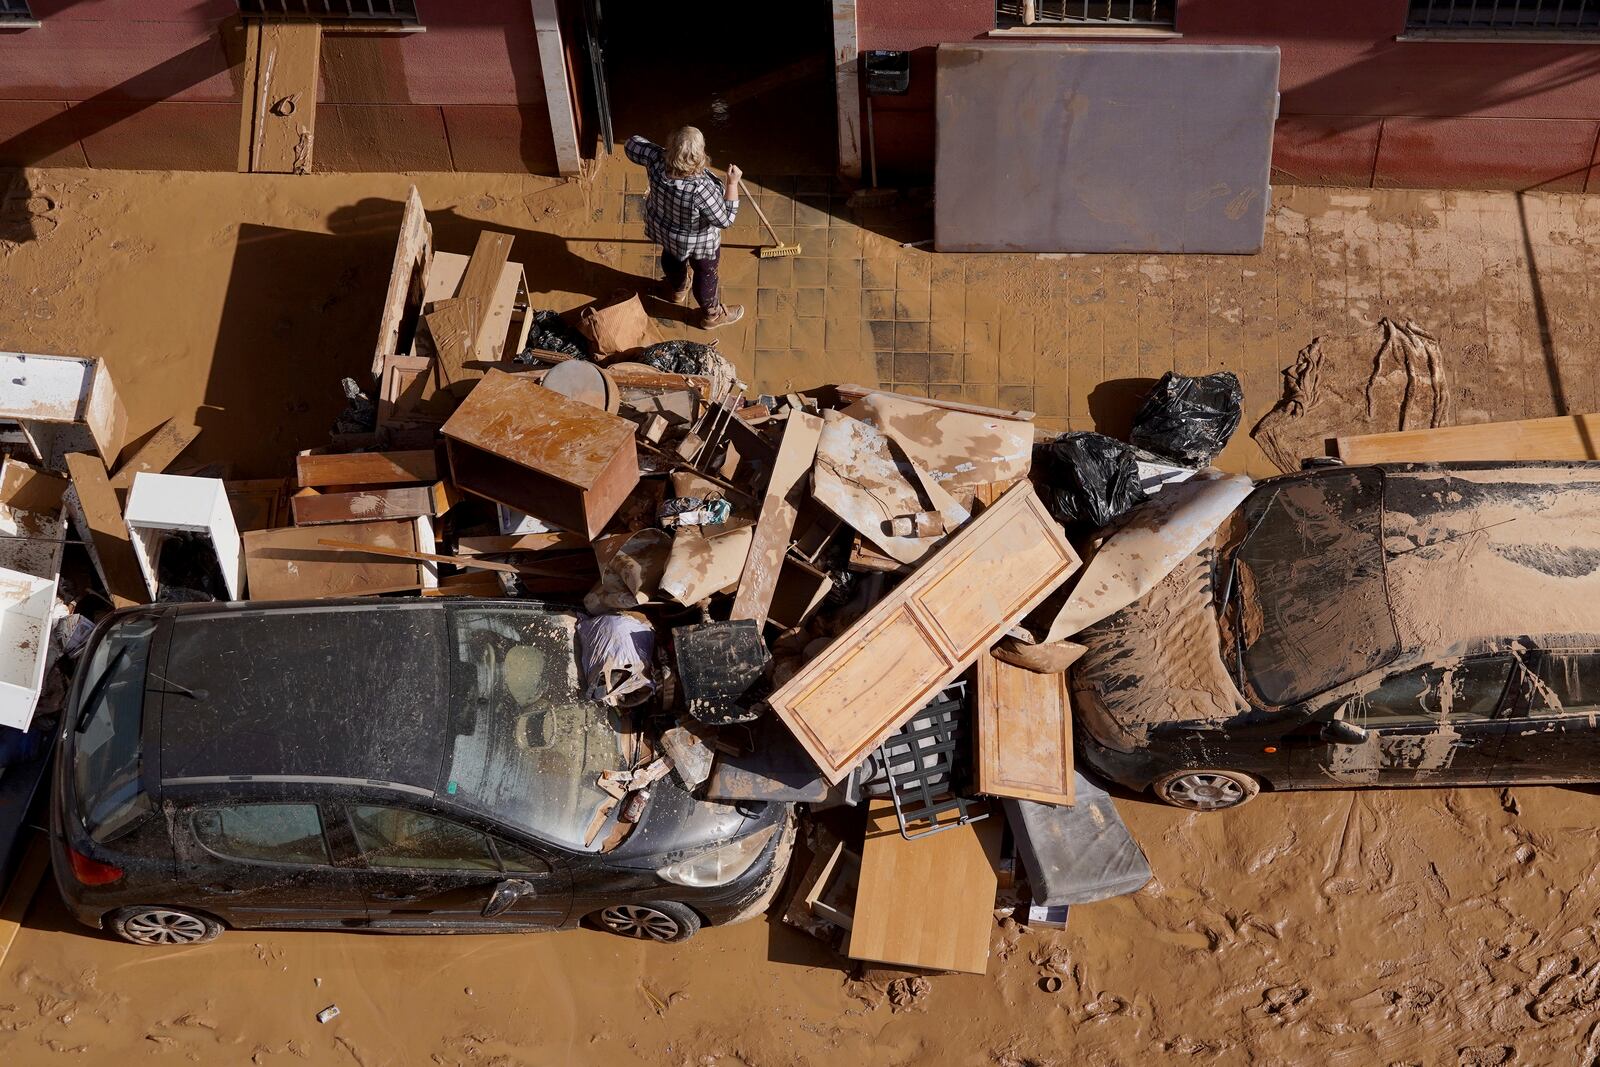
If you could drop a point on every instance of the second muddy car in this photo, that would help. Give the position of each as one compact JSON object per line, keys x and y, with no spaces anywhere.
{"x":1362,"y":626}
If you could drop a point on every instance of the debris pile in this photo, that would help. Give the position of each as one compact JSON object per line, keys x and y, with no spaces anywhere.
{"x":776,"y":599}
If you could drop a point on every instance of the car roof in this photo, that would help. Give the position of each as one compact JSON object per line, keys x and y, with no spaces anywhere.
{"x":353,"y":691}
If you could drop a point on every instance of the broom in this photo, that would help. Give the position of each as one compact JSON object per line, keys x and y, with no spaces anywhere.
{"x":778,"y":248}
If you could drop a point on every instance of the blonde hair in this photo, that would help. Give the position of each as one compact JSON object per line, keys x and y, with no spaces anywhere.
{"x":686,"y":152}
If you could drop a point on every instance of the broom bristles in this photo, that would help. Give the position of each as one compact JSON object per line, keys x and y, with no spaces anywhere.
{"x":773,"y":251}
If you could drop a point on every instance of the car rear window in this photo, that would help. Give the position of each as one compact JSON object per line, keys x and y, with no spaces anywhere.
{"x":1315,"y":609}
{"x":526,"y":745}
{"x":108,"y":752}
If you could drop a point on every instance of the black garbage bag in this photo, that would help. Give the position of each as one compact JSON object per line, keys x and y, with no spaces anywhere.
{"x":1189,"y":420}
{"x":552,"y":333}
{"x":360,"y":414}
{"x":681,"y":357}
{"x":1091,"y":480}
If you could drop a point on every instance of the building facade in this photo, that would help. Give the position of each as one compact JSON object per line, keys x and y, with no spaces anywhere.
{"x":1486,"y":94}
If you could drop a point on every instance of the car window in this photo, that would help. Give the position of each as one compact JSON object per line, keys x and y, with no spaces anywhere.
{"x":269,"y":833}
{"x":1567,"y":683}
{"x":396,"y":837}
{"x":516,"y":858}
{"x":1465,"y":692}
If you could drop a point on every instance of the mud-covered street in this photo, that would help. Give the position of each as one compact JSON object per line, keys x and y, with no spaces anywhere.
{"x":1402,"y":927}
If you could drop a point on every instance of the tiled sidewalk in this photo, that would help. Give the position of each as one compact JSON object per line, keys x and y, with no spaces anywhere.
{"x":1076,"y":338}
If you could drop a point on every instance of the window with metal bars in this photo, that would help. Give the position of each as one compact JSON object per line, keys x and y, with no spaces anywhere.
{"x":15,"y":11}
{"x":1135,"y":14}
{"x":1514,"y":16}
{"x":332,"y":10}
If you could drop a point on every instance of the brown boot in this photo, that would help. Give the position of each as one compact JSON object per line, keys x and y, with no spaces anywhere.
{"x":676,"y":296}
{"x":721,"y":315}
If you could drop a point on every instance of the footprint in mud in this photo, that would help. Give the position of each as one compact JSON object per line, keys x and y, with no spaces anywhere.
{"x":1105,"y":1006}
{"x":909,"y":994}
{"x":1485,"y":1055}
{"x":1414,"y":996}
{"x":1281,"y":1003}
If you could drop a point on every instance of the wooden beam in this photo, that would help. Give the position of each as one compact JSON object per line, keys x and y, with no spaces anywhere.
{"x":453,"y":325}
{"x":1564,"y":437}
{"x":849,"y":394}
{"x":281,"y":95}
{"x":99,"y":519}
{"x":413,"y":252}
{"x":557,"y":92}
{"x":397,"y":553}
{"x":786,"y":490}
{"x":847,"y":86}
{"x":157,"y":452}
{"x":368,"y":468}
{"x":481,"y":282}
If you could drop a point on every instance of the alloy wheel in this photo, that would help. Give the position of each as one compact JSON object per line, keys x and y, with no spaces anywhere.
{"x":161,"y":927}
{"x":1206,"y":792}
{"x":631,"y":920}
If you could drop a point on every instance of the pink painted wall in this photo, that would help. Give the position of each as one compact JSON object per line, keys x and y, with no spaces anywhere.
{"x":1358,"y":106}
{"x":155,"y":84}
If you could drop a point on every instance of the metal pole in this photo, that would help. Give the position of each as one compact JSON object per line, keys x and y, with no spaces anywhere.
{"x":872,"y":145}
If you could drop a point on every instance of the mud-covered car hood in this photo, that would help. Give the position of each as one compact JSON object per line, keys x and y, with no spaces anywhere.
{"x":1156,"y":661}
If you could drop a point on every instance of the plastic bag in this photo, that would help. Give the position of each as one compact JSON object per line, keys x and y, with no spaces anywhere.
{"x":1092,"y":480}
{"x":551,"y":333}
{"x":617,"y":651}
{"x":1189,"y":419}
{"x":680,"y":357}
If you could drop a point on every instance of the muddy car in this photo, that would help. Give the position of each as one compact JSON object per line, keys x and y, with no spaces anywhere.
{"x":403,"y":765}
{"x":1403,"y":625}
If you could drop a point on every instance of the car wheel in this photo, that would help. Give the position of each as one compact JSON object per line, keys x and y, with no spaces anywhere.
{"x":662,"y":921}
{"x":1206,"y":790}
{"x":164,"y":926}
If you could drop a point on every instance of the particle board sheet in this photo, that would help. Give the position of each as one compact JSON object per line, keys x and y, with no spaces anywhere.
{"x":519,"y":444}
{"x":1569,"y":437}
{"x":99,"y":522}
{"x":64,"y":403}
{"x":496,"y":338}
{"x":1023,"y":733}
{"x":367,"y":505}
{"x":928,"y":902}
{"x":156,"y":453}
{"x":368,"y":468}
{"x":289,"y":563}
{"x":926,"y":633}
{"x":1071,"y":147}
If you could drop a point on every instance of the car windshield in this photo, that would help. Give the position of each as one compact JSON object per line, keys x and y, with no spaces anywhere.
{"x":108,"y":755}
{"x":1313,"y":610}
{"x":526,"y":746}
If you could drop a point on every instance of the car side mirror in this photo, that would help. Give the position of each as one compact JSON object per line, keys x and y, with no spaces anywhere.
{"x":506,"y":894}
{"x":1343,"y":732}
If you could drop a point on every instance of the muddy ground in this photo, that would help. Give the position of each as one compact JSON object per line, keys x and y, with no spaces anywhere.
{"x":1426,"y":927}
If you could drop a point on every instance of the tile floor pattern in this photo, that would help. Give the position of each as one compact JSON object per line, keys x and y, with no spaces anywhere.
{"x":1076,"y":338}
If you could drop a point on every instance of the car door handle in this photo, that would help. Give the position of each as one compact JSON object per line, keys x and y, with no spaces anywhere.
{"x":396,"y":896}
{"x":221,"y":890}
{"x":1465,"y":742}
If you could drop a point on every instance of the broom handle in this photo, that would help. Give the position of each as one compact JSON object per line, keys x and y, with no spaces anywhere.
{"x":762,"y":215}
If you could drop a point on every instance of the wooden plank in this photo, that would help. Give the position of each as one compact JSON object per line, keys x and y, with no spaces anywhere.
{"x":524,"y":446}
{"x":786,"y":490}
{"x":282,"y":98}
{"x":157,"y":452}
{"x":367,"y":505}
{"x":27,"y":488}
{"x":926,"y":633}
{"x":1023,"y":733}
{"x":494,"y":332}
{"x":289,"y":564}
{"x":482,"y":282}
{"x":100,"y":523}
{"x":925,"y":903}
{"x":24,"y":887}
{"x":368,"y":468}
{"x":1565,"y":437}
{"x":104,"y":414}
{"x":395,"y":553}
{"x":413,"y":252}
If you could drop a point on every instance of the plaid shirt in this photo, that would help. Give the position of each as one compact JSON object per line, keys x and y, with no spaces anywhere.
{"x":685,"y":216}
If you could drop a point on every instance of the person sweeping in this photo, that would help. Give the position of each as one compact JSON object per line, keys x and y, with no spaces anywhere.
{"x":685,"y":214}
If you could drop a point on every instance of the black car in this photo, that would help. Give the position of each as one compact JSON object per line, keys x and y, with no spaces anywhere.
{"x":392,"y":765}
{"x":1362,"y":626}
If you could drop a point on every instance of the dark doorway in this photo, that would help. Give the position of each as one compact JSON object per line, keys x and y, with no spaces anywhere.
{"x":757,"y":80}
